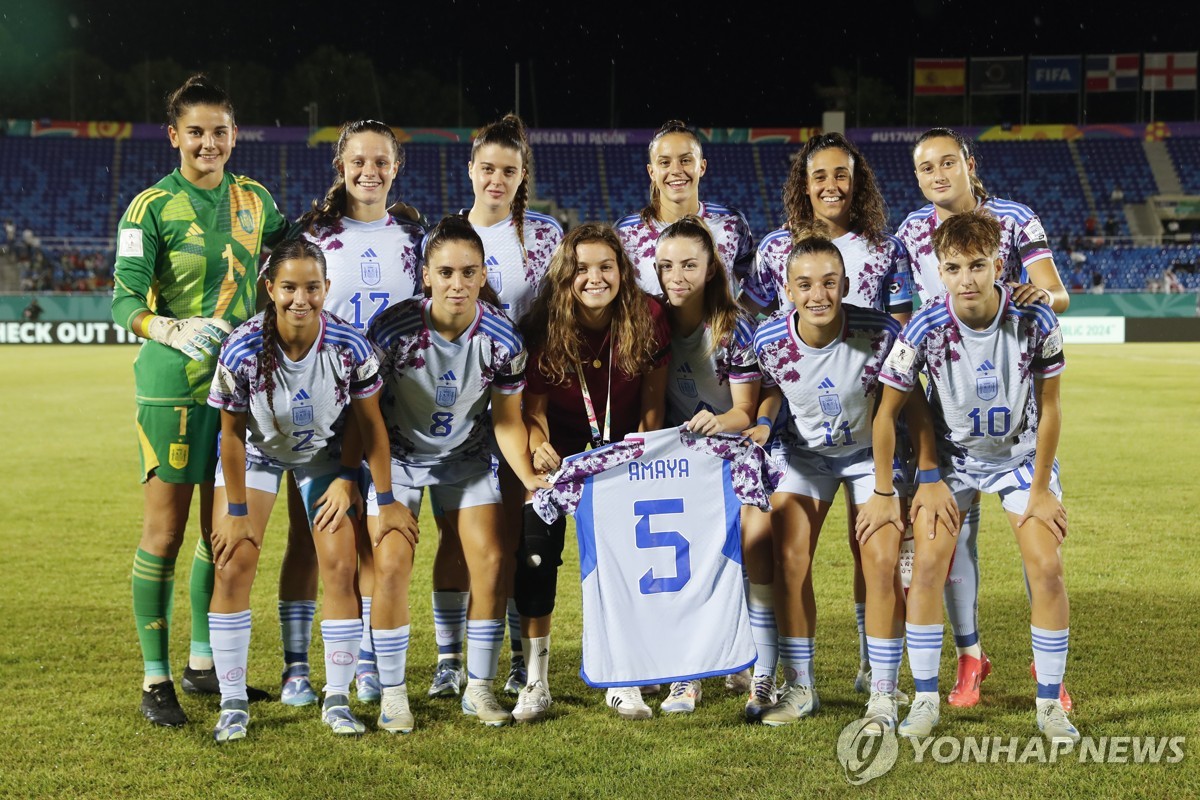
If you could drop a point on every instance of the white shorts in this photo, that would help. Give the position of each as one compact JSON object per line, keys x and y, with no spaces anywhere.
{"x":312,"y":481}
{"x":1012,"y":486}
{"x":818,"y":476}
{"x":453,"y":485}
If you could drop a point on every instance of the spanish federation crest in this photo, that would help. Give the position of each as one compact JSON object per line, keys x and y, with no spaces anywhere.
{"x":831,"y":404}
{"x":302,"y":415}
{"x":177,"y":455}
{"x":370,"y":272}
{"x":496,"y":279}
{"x":687,"y":386}
{"x":445,"y":396}
{"x":246,"y":220}
{"x":987,"y":388}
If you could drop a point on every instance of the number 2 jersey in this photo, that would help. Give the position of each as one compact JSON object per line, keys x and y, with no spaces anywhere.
{"x":436,"y":392}
{"x":981,"y":382}
{"x":302,"y":422}
{"x":658,"y":517}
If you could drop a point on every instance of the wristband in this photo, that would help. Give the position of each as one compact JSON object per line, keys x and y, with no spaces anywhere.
{"x":765,"y":421}
{"x":348,"y":473}
{"x":238,"y":510}
{"x":385,"y":498}
{"x":892,"y":493}
{"x":928,"y":475}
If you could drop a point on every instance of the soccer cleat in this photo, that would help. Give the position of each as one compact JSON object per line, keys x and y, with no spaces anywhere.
{"x":881,"y":714}
{"x":739,"y":682}
{"x":862,"y":681}
{"x":650,"y":689}
{"x":394,"y":713}
{"x":517,"y":676}
{"x":233,"y":722}
{"x":796,"y":703}
{"x":682,"y":699}
{"x":204,"y":681}
{"x":533,"y":703}
{"x":762,"y":697}
{"x":1063,"y":696}
{"x":366,"y":686}
{"x":921,"y":719}
{"x":297,"y":689}
{"x":627,"y":702}
{"x":336,"y":714}
{"x":161,"y":706}
{"x":447,"y":678}
{"x":971,"y":672}
{"x":1053,"y":723}
{"x":478,"y":701}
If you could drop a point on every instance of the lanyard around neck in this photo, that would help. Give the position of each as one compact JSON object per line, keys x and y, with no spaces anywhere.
{"x":599,"y":439}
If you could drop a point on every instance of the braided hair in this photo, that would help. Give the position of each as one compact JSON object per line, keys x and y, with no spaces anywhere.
{"x":509,"y":132}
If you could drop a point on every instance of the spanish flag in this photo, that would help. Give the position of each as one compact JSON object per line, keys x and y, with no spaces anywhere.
{"x":944,"y":76}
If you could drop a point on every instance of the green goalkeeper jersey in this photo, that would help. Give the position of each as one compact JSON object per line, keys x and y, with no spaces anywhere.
{"x":187,"y":252}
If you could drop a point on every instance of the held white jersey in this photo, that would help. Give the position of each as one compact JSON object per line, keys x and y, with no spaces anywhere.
{"x":730,"y":232}
{"x":879,"y":274}
{"x":830,"y":390}
{"x":514,"y":277}
{"x":310,"y":397}
{"x":700,"y":379}
{"x":1022,"y":242}
{"x":436,"y":392}
{"x":658,"y":517}
{"x":370,"y":266}
{"x":981,"y":382}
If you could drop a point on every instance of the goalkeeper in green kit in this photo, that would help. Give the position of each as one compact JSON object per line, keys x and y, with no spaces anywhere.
{"x":186,"y":272}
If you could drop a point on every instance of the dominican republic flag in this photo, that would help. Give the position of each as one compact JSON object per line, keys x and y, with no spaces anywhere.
{"x":1116,"y":73}
{"x":1167,"y":71}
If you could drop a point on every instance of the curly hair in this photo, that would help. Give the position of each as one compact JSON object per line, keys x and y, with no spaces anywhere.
{"x":333,"y":207}
{"x":552,"y":327}
{"x":197,"y":90}
{"x":868,"y":211}
{"x":292,"y":250}
{"x":509,"y":131}
{"x":650,"y":212}
{"x":720,"y":312}
{"x":964,"y":147}
{"x":457,"y":228}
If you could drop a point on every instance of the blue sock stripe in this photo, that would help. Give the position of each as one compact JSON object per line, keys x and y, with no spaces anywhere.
{"x":922,"y":641}
{"x":294,"y":658}
{"x":237,"y":621}
{"x":762,"y":616}
{"x":449,"y":616}
{"x":966,"y":640}
{"x":391,"y":648}
{"x":1049,"y":641}
{"x":339,"y":630}
{"x":449,"y":649}
{"x":366,"y":605}
{"x":926,"y":684}
{"x":1048,"y":691}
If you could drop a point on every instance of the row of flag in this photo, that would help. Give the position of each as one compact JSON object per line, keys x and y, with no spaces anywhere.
{"x":1159,"y":72}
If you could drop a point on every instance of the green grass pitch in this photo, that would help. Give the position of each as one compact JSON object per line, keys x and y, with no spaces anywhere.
{"x":70,"y":667}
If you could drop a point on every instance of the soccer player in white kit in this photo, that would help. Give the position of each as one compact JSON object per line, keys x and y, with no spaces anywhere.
{"x":825,"y":356}
{"x":831,"y":189}
{"x":517,"y":245}
{"x":442,"y":359}
{"x":287,"y":382}
{"x":946,"y":172}
{"x":713,"y":384}
{"x":373,"y":260}
{"x":676,"y":165}
{"x":993,"y":366}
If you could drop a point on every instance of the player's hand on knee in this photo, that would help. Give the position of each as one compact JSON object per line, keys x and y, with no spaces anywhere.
{"x":878,"y":512}
{"x":1047,"y":509}
{"x":398,"y":518}
{"x":333,"y":505}
{"x":196,"y":337}
{"x":228,"y":535}
{"x":936,"y":500}
{"x":545,"y":458}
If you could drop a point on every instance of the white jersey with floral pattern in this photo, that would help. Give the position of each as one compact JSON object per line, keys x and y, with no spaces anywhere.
{"x":980,"y":381}
{"x":436,"y":392}
{"x":830,"y":390}
{"x":300,"y":423}
{"x":730,"y":231}
{"x":700,"y":377}
{"x":515,"y":273}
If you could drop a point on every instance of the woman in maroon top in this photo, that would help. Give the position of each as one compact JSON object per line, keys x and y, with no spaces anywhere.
{"x":590,"y":319}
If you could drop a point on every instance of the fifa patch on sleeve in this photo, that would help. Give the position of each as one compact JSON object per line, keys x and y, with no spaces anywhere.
{"x":517,"y":365}
{"x":223,"y":381}
{"x":1035,"y":231}
{"x":1053,"y":344}
{"x":901,"y":358}
{"x":131,"y":244}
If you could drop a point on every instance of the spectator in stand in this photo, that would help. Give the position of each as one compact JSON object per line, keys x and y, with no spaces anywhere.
{"x":1171,"y":283}
{"x":1117,"y":198}
{"x":1111,"y":228}
{"x":10,"y":235}
{"x":1097,"y":283}
{"x":33,"y":311}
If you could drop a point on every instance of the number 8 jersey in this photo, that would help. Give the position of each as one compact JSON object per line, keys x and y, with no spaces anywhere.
{"x":658,"y":517}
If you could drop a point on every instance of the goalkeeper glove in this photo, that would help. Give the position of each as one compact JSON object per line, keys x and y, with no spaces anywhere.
{"x":196,"y":337}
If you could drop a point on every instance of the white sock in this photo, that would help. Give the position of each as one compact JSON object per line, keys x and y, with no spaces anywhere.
{"x":230,"y":638}
{"x":342,"y":638}
{"x":962,"y":587}
{"x":449,"y":623}
{"x":924,"y":655}
{"x":796,"y":653}
{"x":391,"y":652}
{"x":484,"y":637}
{"x":884,"y":657}
{"x":537,"y":659}
{"x":295,"y":629}
{"x":761,"y":603}
{"x":860,"y":617}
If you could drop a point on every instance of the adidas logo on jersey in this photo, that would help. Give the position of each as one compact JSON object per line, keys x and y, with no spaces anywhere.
{"x":370,"y":253}
{"x":687,"y":368}
{"x":300,"y":396}
{"x":986,"y":366}
{"x":825,"y":384}
{"x":449,"y":376}
{"x":492,"y":261}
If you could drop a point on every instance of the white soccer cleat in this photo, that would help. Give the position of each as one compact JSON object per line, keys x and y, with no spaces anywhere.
{"x":762,"y":697}
{"x":394,"y":714}
{"x":1053,"y":723}
{"x":683,"y":698}
{"x":921,"y":720}
{"x":478,"y":701}
{"x":739,"y":682}
{"x":533,"y":703}
{"x":448,"y":678}
{"x":862,"y":681}
{"x":881,"y":714}
{"x":796,"y":703}
{"x":628,"y":703}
